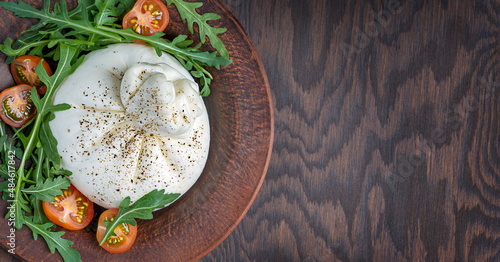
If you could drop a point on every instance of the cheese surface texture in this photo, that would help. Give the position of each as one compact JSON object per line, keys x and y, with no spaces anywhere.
{"x":136,"y":123}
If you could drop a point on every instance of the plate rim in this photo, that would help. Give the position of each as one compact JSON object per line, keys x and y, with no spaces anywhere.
{"x":240,"y":28}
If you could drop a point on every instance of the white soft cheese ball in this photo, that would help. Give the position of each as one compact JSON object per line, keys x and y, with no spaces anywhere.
{"x":136,"y":123}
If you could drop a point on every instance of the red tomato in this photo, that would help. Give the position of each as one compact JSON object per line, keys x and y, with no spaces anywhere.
{"x":147,"y":17}
{"x":125,"y":233}
{"x":71,"y":210}
{"x":23,"y":71}
{"x":17,"y":107}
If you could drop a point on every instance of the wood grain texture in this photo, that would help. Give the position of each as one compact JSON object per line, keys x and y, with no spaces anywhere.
{"x":386,"y":132}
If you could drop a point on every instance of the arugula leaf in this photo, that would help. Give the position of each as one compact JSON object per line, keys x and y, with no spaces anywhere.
{"x":54,"y":240}
{"x":60,"y":16}
{"x":37,"y":47}
{"x":22,"y":138}
{"x":38,"y":163}
{"x":50,"y":188}
{"x":75,"y":13}
{"x":105,"y":14}
{"x":18,"y":210}
{"x":3,"y":139}
{"x":39,"y":216}
{"x":48,"y":141}
{"x":174,"y":47}
{"x":59,"y":107}
{"x":4,"y":185}
{"x":187,"y":11}
{"x":59,"y":172}
{"x":141,"y":209}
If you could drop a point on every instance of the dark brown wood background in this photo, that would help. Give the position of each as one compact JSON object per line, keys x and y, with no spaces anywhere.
{"x":387,"y":132}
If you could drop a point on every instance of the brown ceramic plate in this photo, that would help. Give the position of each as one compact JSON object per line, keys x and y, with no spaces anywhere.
{"x":241,"y":119}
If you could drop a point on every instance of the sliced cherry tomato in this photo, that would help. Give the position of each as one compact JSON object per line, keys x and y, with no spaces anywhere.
{"x":125,"y":233}
{"x":23,"y":71}
{"x":147,"y":17}
{"x":17,"y":107}
{"x":71,"y":210}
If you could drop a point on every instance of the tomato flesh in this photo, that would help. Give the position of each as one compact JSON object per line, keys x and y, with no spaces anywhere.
{"x":71,"y":210}
{"x":147,"y":17}
{"x":125,"y":233}
{"x":17,"y":106}
{"x":23,"y":70}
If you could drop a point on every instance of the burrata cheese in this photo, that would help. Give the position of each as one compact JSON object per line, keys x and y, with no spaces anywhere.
{"x":136,"y":123}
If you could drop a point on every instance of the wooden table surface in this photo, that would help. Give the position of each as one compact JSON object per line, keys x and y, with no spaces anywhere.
{"x":387,"y":132}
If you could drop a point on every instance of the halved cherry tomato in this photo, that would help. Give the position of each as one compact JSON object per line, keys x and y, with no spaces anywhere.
{"x":23,"y":71}
{"x":71,"y":210}
{"x":147,"y":17}
{"x":17,"y":107}
{"x":125,"y":233}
